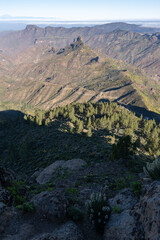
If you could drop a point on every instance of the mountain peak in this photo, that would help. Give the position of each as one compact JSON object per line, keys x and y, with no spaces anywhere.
{"x":77,"y":43}
{"x":30,"y":28}
{"x":79,"y":39}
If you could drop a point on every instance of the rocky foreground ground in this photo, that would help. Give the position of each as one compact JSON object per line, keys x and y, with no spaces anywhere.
{"x":137,"y":218}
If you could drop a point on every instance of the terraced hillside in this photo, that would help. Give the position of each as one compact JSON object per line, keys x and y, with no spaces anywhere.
{"x":46,"y":78}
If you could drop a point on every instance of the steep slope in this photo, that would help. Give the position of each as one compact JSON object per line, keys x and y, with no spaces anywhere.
{"x":77,"y":74}
{"x":142,"y":50}
{"x":127,"y":42}
{"x":5,"y":67}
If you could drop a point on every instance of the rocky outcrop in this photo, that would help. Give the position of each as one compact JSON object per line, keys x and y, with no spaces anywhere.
{"x":120,"y":226}
{"x":71,"y":47}
{"x":8,"y":217}
{"x":68,"y":231}
{"x":94,"y":60}
{"x":6,"y":177}
{"x":71,"y":165}
{"x":147,"y":213}
{"x":50,"y":205}
{"x":124,"y":200}
{"x":6,"y":197}
{"x":25,"y":232}
{"x":137,"y":221}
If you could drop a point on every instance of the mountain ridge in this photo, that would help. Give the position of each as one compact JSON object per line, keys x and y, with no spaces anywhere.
{"x":76,"y":73}
{"x":117,"y":40}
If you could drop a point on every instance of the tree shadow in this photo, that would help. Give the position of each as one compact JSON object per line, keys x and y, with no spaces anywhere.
{"x":26,"y":147}
{"x":11,"y":115}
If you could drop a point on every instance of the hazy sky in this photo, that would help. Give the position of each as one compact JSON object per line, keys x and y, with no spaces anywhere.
{"x":83,"y":9}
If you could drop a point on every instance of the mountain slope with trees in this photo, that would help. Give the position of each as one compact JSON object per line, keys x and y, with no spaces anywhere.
{"x":77,"y":74}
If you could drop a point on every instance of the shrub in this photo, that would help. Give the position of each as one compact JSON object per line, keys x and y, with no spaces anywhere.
{"x":98,"y":211}
{"x":152,"y":170}
{"x":122,"y":149}
{"x":72,"y":191}
{"x":26,"y":207}
{"x":136,"y":187}
{"x":117,"y":209}
{"x":75,"y":214}
{"x":18,"y":190}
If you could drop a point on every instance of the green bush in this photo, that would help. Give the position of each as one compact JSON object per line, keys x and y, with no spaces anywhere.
{"x":72,"y":191}
{"x":75,"y":214}
{"x":18,"y":190}
{"x":136,"y":187}
{"x":98,"y":211}
{"x":26,"y":207}
{"x":122,"y":148}
{"x":116,"y":209}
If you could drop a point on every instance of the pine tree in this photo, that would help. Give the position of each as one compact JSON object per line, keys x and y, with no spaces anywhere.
{"x":79,"y":126}
{"x":89,"y":132}
{"x":89,"y":122}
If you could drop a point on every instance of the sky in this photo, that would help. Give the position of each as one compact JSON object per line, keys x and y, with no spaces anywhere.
{"x":83,"y":9}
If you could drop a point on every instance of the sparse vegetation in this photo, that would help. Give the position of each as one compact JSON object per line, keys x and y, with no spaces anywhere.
{"x":35,"y":143}
{"x":116,"y":209}
{"x":136,"y":187}
{"x":75,"y":214}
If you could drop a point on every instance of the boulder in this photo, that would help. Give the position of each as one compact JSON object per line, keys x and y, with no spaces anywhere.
{"x":125,"y":200}
{"x":45,"y":236}
{"x":2,"y":207}
{"x":6,"y":177}
{"x":6,"y":197}
{"x":139,"y":220}
{"x":68,"y":231}
{"x":147,"y":213}
{"x":74,"y":164}
{"x":25,"y":232}
{"x":7,"y":218}
{"x":71,"y":165}
{"x":120,"y":227}
{"x":50,"y":205}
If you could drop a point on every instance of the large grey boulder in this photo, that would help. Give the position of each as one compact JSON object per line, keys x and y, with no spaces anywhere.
{"x":125,"y":200}
{"x":137,"y":221}
{"x":71,"y":165}
{"x":50,"y":205}
{"x":7,"y":217}
{"x":6,"y":177}
{"x":25,"y":232}
{"x":68,"y":231}
{"x":147,"y":213}
{"x":2,"y":207}
{"x":120,"y":226}
{"x":6,"y":197}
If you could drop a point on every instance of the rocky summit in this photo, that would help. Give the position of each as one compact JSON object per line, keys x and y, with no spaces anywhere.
{"x":132,"y":218}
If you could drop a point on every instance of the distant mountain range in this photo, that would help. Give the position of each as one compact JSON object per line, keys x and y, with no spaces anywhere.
{"x":128,"y":42}
{"x":43,"y":68}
